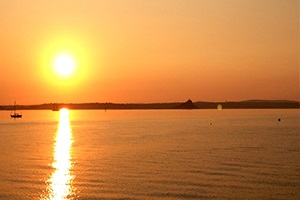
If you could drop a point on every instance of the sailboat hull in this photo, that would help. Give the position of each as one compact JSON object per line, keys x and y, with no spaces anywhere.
{"x":16,"y":116}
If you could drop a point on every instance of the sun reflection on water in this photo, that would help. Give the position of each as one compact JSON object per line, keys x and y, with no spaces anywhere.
{"x":60,"y":182}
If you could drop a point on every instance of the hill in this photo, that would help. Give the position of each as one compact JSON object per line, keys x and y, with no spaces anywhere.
{"x":187,"y":105}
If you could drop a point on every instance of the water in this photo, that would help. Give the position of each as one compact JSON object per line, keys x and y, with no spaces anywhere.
{"x":150,"y":154}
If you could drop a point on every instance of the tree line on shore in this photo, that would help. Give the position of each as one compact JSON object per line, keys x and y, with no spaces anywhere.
{"x":251,"y":104}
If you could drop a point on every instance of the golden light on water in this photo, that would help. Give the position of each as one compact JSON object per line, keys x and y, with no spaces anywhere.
{"x":60,"y":182}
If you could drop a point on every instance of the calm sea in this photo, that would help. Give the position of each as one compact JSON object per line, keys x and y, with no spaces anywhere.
{"x":150,"y":154}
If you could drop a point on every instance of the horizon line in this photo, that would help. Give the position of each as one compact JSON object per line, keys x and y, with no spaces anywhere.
{"x":109,"y":102}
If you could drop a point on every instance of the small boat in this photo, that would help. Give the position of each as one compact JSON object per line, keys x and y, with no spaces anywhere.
{"x":55,"y":107}
{"x":15,"y":115}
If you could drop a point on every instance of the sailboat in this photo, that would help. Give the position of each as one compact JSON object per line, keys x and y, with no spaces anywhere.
{"x":15,"y":115}
{"x":55,"y":107}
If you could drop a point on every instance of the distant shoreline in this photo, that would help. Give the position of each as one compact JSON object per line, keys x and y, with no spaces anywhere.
{"x":249,"y":104}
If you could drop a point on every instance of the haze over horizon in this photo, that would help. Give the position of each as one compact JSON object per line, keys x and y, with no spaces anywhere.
{"x":148,"y":51}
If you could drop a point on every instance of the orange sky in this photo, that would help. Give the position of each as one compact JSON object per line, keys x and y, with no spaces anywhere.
{"x":150,"y":51}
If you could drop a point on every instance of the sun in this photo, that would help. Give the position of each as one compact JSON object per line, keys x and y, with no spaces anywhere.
{"x":64,"y":65}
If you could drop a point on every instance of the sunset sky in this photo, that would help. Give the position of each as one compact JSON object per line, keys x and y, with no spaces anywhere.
{"x":136,"y":51}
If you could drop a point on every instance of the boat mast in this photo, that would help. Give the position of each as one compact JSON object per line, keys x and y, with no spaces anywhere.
{"x":15,"y":108}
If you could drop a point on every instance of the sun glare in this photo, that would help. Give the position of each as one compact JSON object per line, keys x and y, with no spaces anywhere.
{"x":64,"y":62}
{"x":64,"y":65}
